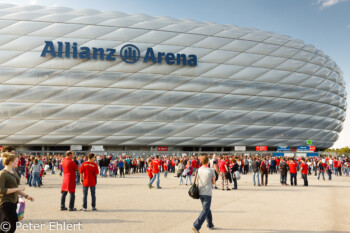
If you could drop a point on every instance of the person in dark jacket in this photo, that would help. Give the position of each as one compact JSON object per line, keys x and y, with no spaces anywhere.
{"x":284,"y":171}
{"x":234,"y":168}
{"x":104,"y":165}
{"x":264,"y":170}
{"x":256,"y":168}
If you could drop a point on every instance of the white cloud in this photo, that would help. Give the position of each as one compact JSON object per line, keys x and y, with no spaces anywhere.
{"x":328,"y":3}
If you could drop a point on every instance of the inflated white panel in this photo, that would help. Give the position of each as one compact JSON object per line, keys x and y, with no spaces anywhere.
{"x":249,"y":87}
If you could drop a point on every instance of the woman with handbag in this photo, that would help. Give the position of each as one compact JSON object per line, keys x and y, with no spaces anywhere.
{"x":205,"y":179}
{"x":9,"y":191}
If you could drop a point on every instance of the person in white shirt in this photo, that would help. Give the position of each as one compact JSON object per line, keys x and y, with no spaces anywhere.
{"x":309,"y":164}
{"x":205,"y":180}
{"x":331,"y":163}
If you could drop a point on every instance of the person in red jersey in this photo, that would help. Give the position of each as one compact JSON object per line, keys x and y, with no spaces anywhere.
{"x":189,"y":170}
{"x":223,"y":168}
{"x":88,"y":172}
{"x":293,"y":171}
{"x":165,"y":167}
{"x":69,"y":168}
{"x":149,"y":171}
{"x":194,"y":164}
{"x":304,"y":171}
{"x":277,"y":164}
{"x":335,"y":162}
{"x":156,"y":169}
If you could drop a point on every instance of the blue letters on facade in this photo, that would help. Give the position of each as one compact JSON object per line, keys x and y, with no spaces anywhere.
{"x":68,"y":50}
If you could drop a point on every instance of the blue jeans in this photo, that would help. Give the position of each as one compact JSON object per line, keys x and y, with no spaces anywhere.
{"x":181,"y":179}
{"x":234,"y":183}
{"x":30,"y":179}
{"x":304,"y":176}
{"x":284,"y":179}
{"x":104,"y":171}
{"x":205,"y":214}
{"x":22,"y":170}
{"x":190,"y":178}
{"x":77,"y":179}
{"x":93,"y":196}
{"x":53,"y":169}
{"x":293,"y":176}
{"x":329,"y":172}
{"x":155,"y":175}
{"x":166,"y":174}
{"x":320,"y":174}
{"x":36,"y":179}
{"x":257,"y":175}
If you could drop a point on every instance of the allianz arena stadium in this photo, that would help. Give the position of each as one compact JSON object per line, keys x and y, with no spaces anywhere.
{"x":85,"y":77}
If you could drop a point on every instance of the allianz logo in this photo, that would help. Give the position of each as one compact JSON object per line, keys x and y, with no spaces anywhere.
{"x":129,"y":53}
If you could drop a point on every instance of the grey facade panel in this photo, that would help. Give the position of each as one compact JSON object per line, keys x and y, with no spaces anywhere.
{"x":249,"y":88}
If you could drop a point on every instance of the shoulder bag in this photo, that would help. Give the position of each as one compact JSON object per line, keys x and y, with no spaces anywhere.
{"x":194,"y":190}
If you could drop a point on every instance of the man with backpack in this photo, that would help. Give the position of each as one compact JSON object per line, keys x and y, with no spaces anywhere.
{"x":264,"y":170}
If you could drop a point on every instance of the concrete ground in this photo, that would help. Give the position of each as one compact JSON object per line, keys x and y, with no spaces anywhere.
{"x":127,"y":205}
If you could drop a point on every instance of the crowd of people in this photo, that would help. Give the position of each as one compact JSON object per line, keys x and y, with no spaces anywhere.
{"x":224,"y":170}
{"x":227,"y":167}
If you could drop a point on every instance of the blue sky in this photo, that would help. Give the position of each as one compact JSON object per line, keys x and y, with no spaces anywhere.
{"x":323,"y":23}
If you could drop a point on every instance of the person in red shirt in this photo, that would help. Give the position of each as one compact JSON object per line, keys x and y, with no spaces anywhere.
{"x":173,"y":165}
{"x":223,"y":168}
{"x":335,"y":166}
{"x":69,"y":168}
{"x":88,"y":172}
{"x":149,"y":171}
{"x":165,"y":167}
{"x":156,"y":169}
{"x":189,"y":170}
{"x":194,"y":164}
{"x":293,"y":171}
{"x":304,"y":171}
{"x":277,"y":164}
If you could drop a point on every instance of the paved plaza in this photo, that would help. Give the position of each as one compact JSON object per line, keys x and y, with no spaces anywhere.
{"x":127,"y":205}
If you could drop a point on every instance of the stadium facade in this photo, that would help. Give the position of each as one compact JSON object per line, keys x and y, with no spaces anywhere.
{"x":85,"y":77}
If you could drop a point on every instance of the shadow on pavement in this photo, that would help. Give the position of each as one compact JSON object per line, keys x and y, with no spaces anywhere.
{"x":272,"y":231}
{"x":164,"y":211}
{"x":83,"y":221}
